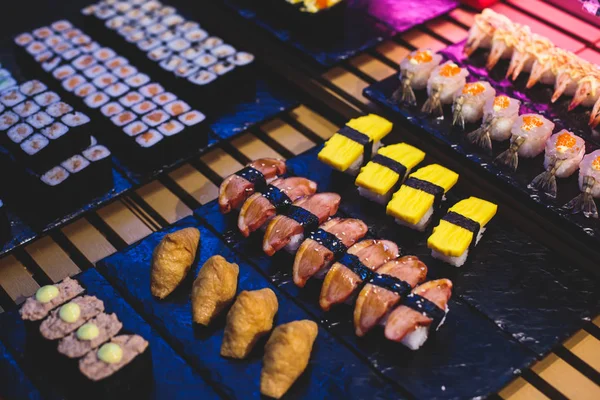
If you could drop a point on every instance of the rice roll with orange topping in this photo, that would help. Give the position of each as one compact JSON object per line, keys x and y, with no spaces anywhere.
{"x":415,"y":70}
{"x":499,"y":115}
{"x":469,"y":102}
{"x":564,"y":152}
{"x":443,"y":83}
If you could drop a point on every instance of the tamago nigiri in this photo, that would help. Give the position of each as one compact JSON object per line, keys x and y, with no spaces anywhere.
{"x":444,"y":82}
{"x":415,"y":70}
{"x":589,"y":184}
{"x":468,"y":102}
{"x":499,"y":115}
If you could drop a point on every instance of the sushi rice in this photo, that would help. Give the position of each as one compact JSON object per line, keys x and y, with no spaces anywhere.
{"x":116,"y":90}
{"x":34,"y":144}
{"x":55,"y":131}
{"x":55,"y":176}
{"x":26,"y":108}
{"x":171,"y":128}
{"x":39,"y":120}
{"x":192,"y":118}
{"x":47,"y":98}
{"x":137,"y":80}
{"x":75,"y":164}
{"x":19,"y":132}
{"x":96,"y":100}
{"x":149,"y":139}
{"x":59,"y":109}
{"x":135,"y":128}
{"x":110,"y":109}
{"x":85,"y":90}
{"x":123,"y":118}
{"x":95,"y":71}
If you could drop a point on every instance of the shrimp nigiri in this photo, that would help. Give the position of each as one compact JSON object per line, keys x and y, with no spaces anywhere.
{"x":564,"y":152}
{"x":499,"y":115}
{"x":589,"y":184}
{"x":468,"y":103}
{"x":415,"y":70}
{"x":444,"y":82}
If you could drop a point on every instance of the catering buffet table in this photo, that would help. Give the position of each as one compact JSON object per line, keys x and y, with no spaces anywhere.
{"x":523,"y":320}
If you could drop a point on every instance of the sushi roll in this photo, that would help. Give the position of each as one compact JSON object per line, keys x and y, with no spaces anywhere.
{"x":85,"y":90}
{"x":356,"y":267}
{"x":420,"y":195}
{"x":354,"y":144}
{"x":64,"y":49}
{"x":148,"y":44}
{"x":176,"y":108}
{"x":135,"y":36}
{"x":96,"y":100}
{"x":63,"y":72}
{"x":89,"y":48}
{"x":304,"y":216}
{"x":55,"y":177}
{"x":415,"y":71}
{"x":178,"y":45}
{"x":47,"y":98}
{"x":55,"y":131}
{"x":172,"y":20}
{"x":72,"y":82}
{"x":43,"y":57}
{"x":137,"y":80}
{"x":104,"y":80}
{"x":7,"y":120}
{"x":164,"y":98}
{"x":482,"y":31}
{"x":504,"y":41}
{"x":125,"y":71}
{"x":120,"y":367}
{"x":191,"y":53}
{"x":205,"y":60}
{"x":117,"y":89}
{"x":99,"y":177}
{"x":468,"y":103}
{"x":393,"y":281}
{"x":90,"y":335}
{"x":83,"y":62}
{"x":11,"y":98}
{"x":460,"y":230}
{"x":70,"y":316}
{"x":156,"y":29}
{"x":528,"y":138}
{"x":237,"y":187}
{"x":185,"y":70}
{"x":589,"y":185}
{"x":32,"y":88}
{"x":75,"y":119}
{"x":26,"y":108}
{"x":170,"y":128}
{"x":49,"y":297}
{"x":24,"y":39}
{"x":61,"y":26}
{"x":279,"y":195}
{"x":143,"y":107}
{"x":196,"y":35}
{"x":223,"y":51}
{"x":564,"y":151}
{"x":443,"y":84}
{"x":221,"y":68}
{"x":211,"y":43}
{"x":104,"y":54}
{"x":123,"y":118}
{"x":151,"y":90}
{"x":116,"y":62}
{"x":19,"y":132}
{"x":171,"y":63}
{"x":81,"y":40}
{"x":155,"y":118}
{"x":59,"y":109}
{"x":499,"y":116}
{"x":388,"y":169}
{"x":424,"y":309}
{"x":35,"y":48}
{"x":50,"y":65}
{"x":135,"y":128}
{"x":241,"y":58}
{"x":168,"y":35}
{"x":202,"y":77}
{"x":187,"y":26}
{"x":131,"y":99}
{"x":191,"y":118}
{"x":39,"y":120}
{"x":325,"y":246}
{"x":111,"y":109}
{"x":159,"y":53}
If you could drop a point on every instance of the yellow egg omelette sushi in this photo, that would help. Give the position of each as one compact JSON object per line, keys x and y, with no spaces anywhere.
{"x":460,"y":230}
{"x":352,"y":146}
{"x":413,"y":205}
{"x":387,"y":170}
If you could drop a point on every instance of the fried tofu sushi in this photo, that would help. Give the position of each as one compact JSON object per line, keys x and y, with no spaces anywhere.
{"x":172,"y":260}
{"x":214,"y":289}
{"x":460,"y":230}
{"x":394,"y":280}
{"x":249,"y":319}
{"x":354,"y":144}
{"x":236,"y":188}
{"x":286,"y":356}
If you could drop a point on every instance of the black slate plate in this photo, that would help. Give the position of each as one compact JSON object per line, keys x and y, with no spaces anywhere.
{"x":173,"y":378}
{"x":586,"y":229}
{"x":333,"y":372}
{"x":14,"y":384}
{"x":512,"y":289}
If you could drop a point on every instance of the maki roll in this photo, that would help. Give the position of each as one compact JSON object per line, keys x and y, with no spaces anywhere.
{"x":354,"y":144}
{"x":155,"y":118}
{"x":47,"y":98}
{"x":72,"y":82}
{"x":164,"y":98}
{"x":384,"y":174}
{"x":7,"y":120}
{"x":104,"y":80}
{"x":39,"y":120}
{"x":26,"y":108}
{"x":59,"y":109}
{"x":123,"y":118}
{"x":151,"y":90}
{"x":415,"y":70}
{"x":468,"y":103}
{"x":19,"y":132}
{"x":111,"y":109}
{"x":143,"y":107}
{"x":11,"y":98}
{"x":135,"y":128}
{"x":443,"y":84}
{"x":192,"y":118}
{"x":63,"y":72}
{"x":241,"y":58}
{"x":90,"y":335}
{"x":177,"y":107}
{"x":171,"y":128}
{"x":137,"y":80}
{"x":70,"y":316}
{"x":130,"y":99}
{"x":96,"y":100}
{"x":460,"y":230}
{"x":31,"y":88}
{"x":117,"y":89}
{"x":589,"y":184}
{"x":420,"y":195}
{"x":528,"y":139}
{"x":49,"y":297}
{"x":564,"y":151}
{"x":83,"y":62}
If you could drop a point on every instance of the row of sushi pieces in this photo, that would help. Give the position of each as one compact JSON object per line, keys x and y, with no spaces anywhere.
{"x":529,"y":134}
{"x":150,"y":117}
{"x":179,"y":46}
{"x":529,"y":52}
{"x":250,"y":317}
{"x":390,"y":289}
{"x":314,"y":6}
{"x":70,"y":330}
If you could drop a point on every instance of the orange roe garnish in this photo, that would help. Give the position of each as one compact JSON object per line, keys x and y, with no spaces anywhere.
{"x":596,"y":164}
{"x":564,"y":142}
{"x":449,"y":70}
{"x":530,"y":122}
{"x":473,"y":88}
{"x":420,"y":57}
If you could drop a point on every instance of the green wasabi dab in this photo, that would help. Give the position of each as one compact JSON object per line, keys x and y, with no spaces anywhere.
{"x":46,"y":293}
{"x":70,"y":312}
{"x":110,"y":353}
{"x":88,"y":331}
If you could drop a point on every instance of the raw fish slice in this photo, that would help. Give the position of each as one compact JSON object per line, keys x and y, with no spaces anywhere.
{"x":234,"y":190}
{"x":374,"y":302}
{"x":257,"y":210}
{"x":312,"y":257}
{"x":340,"y":282}
{"x":404,"y":320}
{"x":281,"y":229}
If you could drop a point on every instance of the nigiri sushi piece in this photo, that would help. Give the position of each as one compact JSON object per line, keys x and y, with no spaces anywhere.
{"x":214,"y":289}
{"x":249,"y":319}
{"x":504,"y":41}
{"x":499,"y":115}
{"x":415,"y":70}
{"x":387,"y":171}
{"x":460,"y":230}
{"x":444,"y":81}
{"x":325,"y":246}
{"x":236,"y":188}
{"x":587,"y":92}
{"x":564,"y":151}
{"x":528,"y":139}
{"x":304,"y":216}
{"x":546,"y":66}
{"x":482,"y":31}
{"x":355,"y":267}
{"x":589,"y":184}
{"x":468,"y":103}
{"x":426,"y":307}
{"x":524,"y":54}
{"x":261,"y":207}
{"x":414,"y":204}
{"x":354,"y":144}
{"x":395,"y":279}
{"x":568,"y":77}
{"x":286,"y":356}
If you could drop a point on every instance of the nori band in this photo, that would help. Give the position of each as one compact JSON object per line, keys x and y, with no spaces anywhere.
{"x":428,"y":308}
{"x":436,"y":191}
{"x":354,"y":264}
{"x":255,"y":177}
{"x":464,"y":222}
{"x":359,"y":138}
{"x":330,"y":241}
{"x":391,"y":283}
{"x":278,"y":198}
{"x":394,"y":165}
{"x":308,"y":220}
